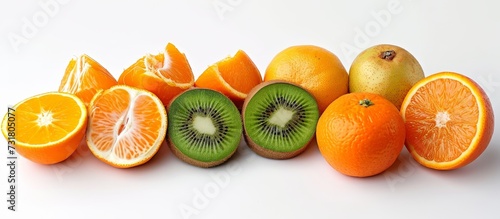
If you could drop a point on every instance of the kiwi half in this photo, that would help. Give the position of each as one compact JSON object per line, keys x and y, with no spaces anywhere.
{"x":204,"y":127}
{"x":279,"y":119}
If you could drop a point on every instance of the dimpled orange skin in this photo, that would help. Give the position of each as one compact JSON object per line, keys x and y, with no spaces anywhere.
{"x":314,"y":68}
{"x":359,"y":140}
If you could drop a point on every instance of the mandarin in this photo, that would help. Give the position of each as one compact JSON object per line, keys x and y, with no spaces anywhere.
{"x":360,"y":134}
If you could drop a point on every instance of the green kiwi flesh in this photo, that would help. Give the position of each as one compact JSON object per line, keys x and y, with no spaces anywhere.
{"x":279,"y":119}
{"x":204,"y":127}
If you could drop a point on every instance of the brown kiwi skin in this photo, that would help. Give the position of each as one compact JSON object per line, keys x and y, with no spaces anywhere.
{"x":264,"y":152}
{"x":185,"y":158}
{"x":194,"y":162}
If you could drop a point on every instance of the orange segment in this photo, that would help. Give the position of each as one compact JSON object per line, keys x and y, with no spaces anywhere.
{"x":85,"y":77}
{"x":233,"y":76}
{"x":48,"y":126}
{"x":126,"y":126}
{"x":449,"y":121}
{"x":165,"y":74}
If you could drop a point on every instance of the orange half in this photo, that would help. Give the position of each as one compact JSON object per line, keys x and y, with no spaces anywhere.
{"x":233,"y":76}
{"x":84,"y":77}
{"x":449,"y":121}
{"x":166,"y":74}
{"x":126,"y":126}
{"x":46,"y":128}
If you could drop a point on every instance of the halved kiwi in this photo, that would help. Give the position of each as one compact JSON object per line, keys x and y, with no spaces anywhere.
{"x":204,"y":127}
{"x":279,"y":119}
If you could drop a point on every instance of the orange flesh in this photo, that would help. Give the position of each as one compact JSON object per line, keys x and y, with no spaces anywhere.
{"x":84,"y":77}
{"x":178,"y":65}
{"x":166,"y":74}
{"x":125,"y":131}
{"x":230,"y":68}
{"x":46,"y":119}
{"x":172,"y":65}
{"x":445,"y":120}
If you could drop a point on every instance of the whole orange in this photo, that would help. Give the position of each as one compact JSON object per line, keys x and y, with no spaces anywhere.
{"x":360,"y":134}
{"x":314,"y":68}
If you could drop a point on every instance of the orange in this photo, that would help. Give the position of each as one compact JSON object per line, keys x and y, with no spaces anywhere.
{"x":449,"y":121}
{"x":233,"y":76}
{"x":84,"y":77}
{"x":166,"y":74}
{"x":314,"y":68}
{"x":360,"y":134}
{"x":126,"y":126}
{"x":46,"y":128}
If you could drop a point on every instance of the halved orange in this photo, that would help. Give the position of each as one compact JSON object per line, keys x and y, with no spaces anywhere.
{"x":46,"y":128}
{"x":84,"y":77}
{"x":126,"y":126}
{"x":233,"y":76}
{"x":449,"y":121}
{"x":166,"y":74}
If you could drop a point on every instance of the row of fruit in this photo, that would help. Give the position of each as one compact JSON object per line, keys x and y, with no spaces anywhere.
{"x":361,"y":119}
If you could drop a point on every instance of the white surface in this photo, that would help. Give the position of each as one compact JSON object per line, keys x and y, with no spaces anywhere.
{"x":459,"y":36}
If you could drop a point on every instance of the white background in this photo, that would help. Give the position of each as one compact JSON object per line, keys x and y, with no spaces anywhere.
{"x":460,"y":36}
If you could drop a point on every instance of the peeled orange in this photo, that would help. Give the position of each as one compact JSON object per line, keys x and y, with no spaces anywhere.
{"x":126,"y":126}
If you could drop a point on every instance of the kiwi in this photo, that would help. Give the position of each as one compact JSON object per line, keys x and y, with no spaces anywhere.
{"x":204,"y":127}
{"x":279,"y":119}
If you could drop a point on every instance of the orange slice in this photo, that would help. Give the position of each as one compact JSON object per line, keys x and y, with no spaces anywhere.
{"x":46,"y":128}
{"x":166,"y":74}
{"x":85,"y":77}
{"x":233,"y":76}
{"x":449,"y":121}
{"x":126,"y":126}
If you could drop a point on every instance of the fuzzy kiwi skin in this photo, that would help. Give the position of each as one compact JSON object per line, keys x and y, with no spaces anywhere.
{"x":187,"y":159}
{"x":264,"y":152}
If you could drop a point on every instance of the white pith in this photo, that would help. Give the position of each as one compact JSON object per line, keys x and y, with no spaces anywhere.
{"x":44,"y":118}
{"x":73,"y":83}
{"x":441,"y":119}
{"x":154,"y":66}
